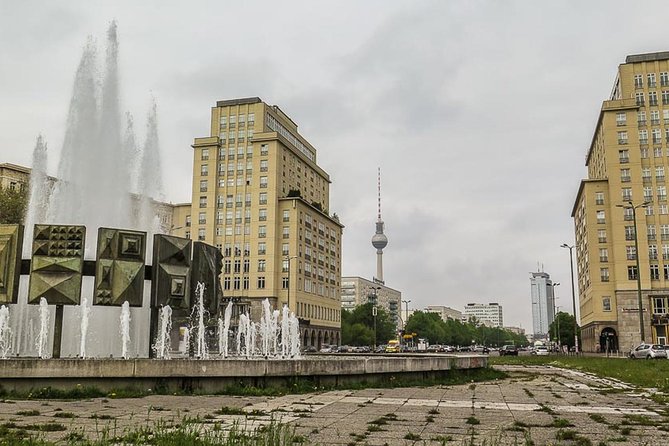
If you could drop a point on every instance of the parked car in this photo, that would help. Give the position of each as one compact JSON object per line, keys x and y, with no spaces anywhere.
{"x":508,"y":350}
{"x":309,"y":349}
{"x":649,"y":351}
{"x":465,"y":348}
{"x":434,"y":348}
{"x":328,"y":348}
{"x":481,"y":349}
{"x":540,"y":350}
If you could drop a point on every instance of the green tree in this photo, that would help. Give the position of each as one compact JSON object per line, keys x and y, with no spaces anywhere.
{"x":566,"y":323}
{"x":357,"y":326}
{"x":13,"y":203}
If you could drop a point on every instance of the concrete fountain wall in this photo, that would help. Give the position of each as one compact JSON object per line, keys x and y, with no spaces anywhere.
{"x":215,"y":375}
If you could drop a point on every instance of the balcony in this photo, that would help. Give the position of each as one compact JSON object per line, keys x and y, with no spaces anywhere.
{"x":602,"y":239}
{"x":655,"y":121}
{"x":652,"y":237}
{"x":641,"y":123}
{"x":631,"y":256}
{"x":628,"y":217}
{"x":664,"y":237}
{"x":625,"y":179}
{"x":624,"y":160}
{"x":640,"y":102}
{"x":622,"y":141}
{"x":629,"y":237}
{"x":603,"y":259}
{"x":621,"y":123}
{"x":652,"y":102}
{"x":643,"y":141}
{"x":662,"y":197}
{"x":603,"y":220}
{"x":652,"y":256}
{"x":597,"y":202}
{"x":659,"y":178}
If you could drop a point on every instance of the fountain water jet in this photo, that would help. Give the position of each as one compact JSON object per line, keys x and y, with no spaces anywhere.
{"x":85,"y":311}
{"x":162,"y":344}
{"x":5,"y":333}
{"x":199,"y":314}
{"x":43,"y":336}
{"x":125,"y":329}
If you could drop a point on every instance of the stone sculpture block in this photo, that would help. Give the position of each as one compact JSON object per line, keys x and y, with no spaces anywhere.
{"x":206,"y":268}
{"x":171,"y":272}
{"x":57,"y":263}
{"x":119,"y":270}
{"x":11,"y":241}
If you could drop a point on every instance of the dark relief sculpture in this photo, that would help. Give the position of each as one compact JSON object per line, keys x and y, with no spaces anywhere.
{"x":119,"y":270}
{"x":57,"y":262}
{"x":171,"y":272}
{"x":11,"y":241}
{"x":206,"y":268}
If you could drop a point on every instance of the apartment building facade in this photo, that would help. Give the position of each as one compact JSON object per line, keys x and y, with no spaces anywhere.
{"x":358,"y":291}
{"x":489,"y":314}
{"x":622,"y":204}
{"x":260,"y":196}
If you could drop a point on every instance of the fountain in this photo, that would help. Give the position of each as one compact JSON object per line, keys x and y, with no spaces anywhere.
{"x":85,"y":311}
{"x":5,"y":333}
{"x":43,"y":335}
{"x":125,"y":329}
{"x":199,"y":315}
{"x":162,"y":344}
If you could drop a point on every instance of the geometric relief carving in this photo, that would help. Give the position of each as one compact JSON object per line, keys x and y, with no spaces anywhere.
{"x":206,"y":268}
{"x":11,"y":243}
{"x":57,"y":263}
{"x":170,"y":284}
{"x":119,"y":270}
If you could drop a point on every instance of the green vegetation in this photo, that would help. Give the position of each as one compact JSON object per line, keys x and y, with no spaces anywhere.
{"x":566,"y":323}
{"x":638,"y":373}
{"x":357,"y":326}
{"x":274,"y":434}
{"x":13,"y":204}
{"x":431,"y":327}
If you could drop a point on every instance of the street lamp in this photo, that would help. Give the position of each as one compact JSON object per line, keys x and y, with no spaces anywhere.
{"x":375,"y":296}
{"x":288,"y":259}
{"x":573,"y":296}
{"x":631,"y":206}
{"x":406,"y":315}
{"x":555,"y":318}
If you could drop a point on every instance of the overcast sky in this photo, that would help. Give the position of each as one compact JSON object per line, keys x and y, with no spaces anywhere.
{"x":479,"y":114}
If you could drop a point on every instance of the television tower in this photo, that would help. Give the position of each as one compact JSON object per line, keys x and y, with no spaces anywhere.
{"x":379,"y":240}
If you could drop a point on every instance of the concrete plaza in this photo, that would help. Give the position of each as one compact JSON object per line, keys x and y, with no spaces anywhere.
{"x":535,"y":405}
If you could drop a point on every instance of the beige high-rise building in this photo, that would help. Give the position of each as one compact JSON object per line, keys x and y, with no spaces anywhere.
{"x":260,"y":196}
{"x":627,"y":160}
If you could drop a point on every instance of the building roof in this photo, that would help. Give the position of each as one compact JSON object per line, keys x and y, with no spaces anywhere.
{"x":240,"y":101}
{"x":580,"y":191}
{"x":647,"y":57}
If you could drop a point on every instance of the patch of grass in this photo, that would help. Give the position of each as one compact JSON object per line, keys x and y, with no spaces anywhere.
{"x":429,"y":419}
{"x":375,"y":428}
{"x":443,"y":439}
{"x":561,"y":422}
{"x":625,"y":430}
{"x":598,"y":418}
{"x":639,"y":420}
{"x":45,"y":427}
{"x":102,"y":417}
{"x":573,"y":436}
{"x":28,"y":413}
{"x":433,"y":412}
{"x":528,"y":392}
{"x":238,"y":411}
{"x":544,"y":408}
{"x":473,"y":420}
{"x":411,"y":436}
{"x":64,"y":415}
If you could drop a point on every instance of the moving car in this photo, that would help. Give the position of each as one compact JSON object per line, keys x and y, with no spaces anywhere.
{"x":481,"y":349}
{"x":540,"y":350}
{"x":649,"y":351}
{"x":508,"y":350}
{"x":393,"y":346}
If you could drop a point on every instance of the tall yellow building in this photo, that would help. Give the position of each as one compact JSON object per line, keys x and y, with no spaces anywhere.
{"x":626,"y":162}
{"x":260,"y":196}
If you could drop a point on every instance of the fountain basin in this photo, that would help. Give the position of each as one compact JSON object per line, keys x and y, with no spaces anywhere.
{"x":24,"y":374}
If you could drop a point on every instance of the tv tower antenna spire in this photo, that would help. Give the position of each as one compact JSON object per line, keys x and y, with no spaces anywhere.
{"x":379,"y":240}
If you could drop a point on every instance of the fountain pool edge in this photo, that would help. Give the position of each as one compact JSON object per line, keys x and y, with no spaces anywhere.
{"x":24,"y":374}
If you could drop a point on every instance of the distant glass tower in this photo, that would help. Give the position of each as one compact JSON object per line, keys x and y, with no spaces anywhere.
{"x":379,"y":240}
{"x":543,"y":303}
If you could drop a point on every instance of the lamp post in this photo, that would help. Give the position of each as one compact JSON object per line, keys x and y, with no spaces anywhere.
{"x":288,"y":259}
{"x":555,"y":318}
{"x":631,"y":206}
{"x":406,"y":315}
{"x":374,"y":294}
{"x":573,"y":295}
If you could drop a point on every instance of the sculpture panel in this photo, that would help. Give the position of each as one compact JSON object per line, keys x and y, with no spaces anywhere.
{"x":11,"y":241}
{"x":206,"y":268}
{"x":119,"y":271}
{"x":171,"y":271}
{"x":57,"y":263}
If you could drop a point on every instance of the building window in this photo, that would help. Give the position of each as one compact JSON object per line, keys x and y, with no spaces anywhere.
{"x":644,"y":152}
{"x":603,"y":255}
{"x":647,"y":193}
{"x":263,"y":182}
{"x":638,"y":81}
{"x":226,"y":283}
{"x":643,"y":136}
{"x":263,"y":165}
{"x":652,"y":97}
{"x":203,"y":202}
{"x":238,"y":266}
{"x":601,"y":235}
{"x":284,"y":283}
{"x":226,"y":267}
{"x":628,"y":214}
{"x":284,"y":249}
{"x":632,"y":273}
{"x":657,"y":136}
{"x":264,"y":149}
{"x":262,"y":248}
{"x":604,"y":274}
{"x":639,"y":99}
{"x":666,"y":272}
{"x":631,"y":252}
{"x":202,"y":218}
{"x":601,"y":217}
{"x":203,"y":186}
{"x":285,"y":232}
{"x":624,"y":156}
{"x":652,"y":252}
{"x":621,"y":118}
{"x":654,"y":272}
{"x":263,"y":198}
{"x":627,"y":193}
{"x":622,"y":137}
{"x":204,"y":170}
{"x":262,"y":263}
{"x":262,"y":231}
{"x":661,"y":193}
{"x":625,"y":175}
{"x":262,"y":214}
{"x":187,"y":221}
{"x":205,"y":154}
{"x":200,"y":234}
{"x":606,"y":303}
{"x":650,"y":230}
{"x":261,"y":283}
{"x":655,"y":117}
{"x":599,"y":198}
